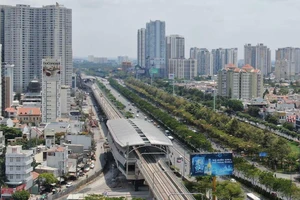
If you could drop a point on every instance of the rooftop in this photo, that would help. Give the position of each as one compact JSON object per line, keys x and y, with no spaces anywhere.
{"x":29,"y":111}
{"x":136,"y":132}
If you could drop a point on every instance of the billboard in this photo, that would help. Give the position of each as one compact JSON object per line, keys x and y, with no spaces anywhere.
{"x":51,"y":67}
{"x":211,"y":164}
{"x":171,"y":76}
{"x":153,"y":71}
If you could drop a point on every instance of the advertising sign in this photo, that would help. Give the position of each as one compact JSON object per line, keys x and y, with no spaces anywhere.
{"x":263,"y":154}
{"x":154,"y":70}
{"x":171,"y":76}
{"x":51,"y":68}
{"x":211,"y":164}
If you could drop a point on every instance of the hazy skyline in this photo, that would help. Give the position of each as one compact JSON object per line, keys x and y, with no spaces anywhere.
{"x":108,"y":28}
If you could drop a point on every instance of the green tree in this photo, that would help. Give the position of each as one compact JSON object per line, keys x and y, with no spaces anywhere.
{"x":272,"y":118}
{"x":253,"y":111}
{"x":288,"y":126}
{"x":265,"y":93}
{"x":235,"y":105}
{"x":227,"y":190}
{"x":47,"y":179}
{"x":10,"y":133}
{"x":283,"y":91}
{"x":21,"y":195}
{"x":17,"y":96}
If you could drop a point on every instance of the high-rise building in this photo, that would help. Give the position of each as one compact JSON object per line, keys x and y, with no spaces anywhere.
{"x":51,"y":90}
{"x":31,"y":34}
{"x":183,"y":68}
{"x":18,"y":166}
{"x":65,"y":100}
{"x":222,"y":57}
{"x":122,"y":59}
{"x":282,"y":70}
{"x":8,"y":83}
{"x":1,"y":85}
{"x":236,"y":83}
{"x":155,"y":46}
{"x":292,"y":56}
{"x":141,"y":47}
{"x":174,"y":48}
{"x":259,"y":57}
{"x":204,"y":60}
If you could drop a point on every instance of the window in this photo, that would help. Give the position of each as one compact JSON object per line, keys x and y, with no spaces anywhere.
{"x":11,"y":176}
{"x":18,"y":168}
{"x":11,"y":168}
{"x":18,"y":159}
{"x":18,"y":176}
{"x":11,"y":160}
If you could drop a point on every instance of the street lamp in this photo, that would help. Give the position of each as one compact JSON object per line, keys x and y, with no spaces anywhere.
{"x":169,"y":196}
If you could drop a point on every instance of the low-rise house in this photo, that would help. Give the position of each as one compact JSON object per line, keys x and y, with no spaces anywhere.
{"x":29,"y":115}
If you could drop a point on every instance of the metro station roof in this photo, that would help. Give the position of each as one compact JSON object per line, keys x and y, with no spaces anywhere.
{"x":136,"y":132}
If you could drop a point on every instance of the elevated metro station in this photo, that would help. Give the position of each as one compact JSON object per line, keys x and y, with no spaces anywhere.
{"x":132,"y":135}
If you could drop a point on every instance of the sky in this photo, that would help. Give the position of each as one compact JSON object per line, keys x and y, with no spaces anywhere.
{"x":108,"y":28}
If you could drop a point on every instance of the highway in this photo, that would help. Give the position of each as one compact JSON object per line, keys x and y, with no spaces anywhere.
{"x":167,"y":183}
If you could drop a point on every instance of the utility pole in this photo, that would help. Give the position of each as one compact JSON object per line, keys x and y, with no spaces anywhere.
{"x":214,"y":100}
{"x":173,"y":87}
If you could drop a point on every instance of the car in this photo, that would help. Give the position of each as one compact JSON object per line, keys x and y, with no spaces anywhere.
{"x":69,"y":184}
{"x":170,"y":137}
{"x":158,"y":126}
{"x":137,"y":115}
{"x":86,"y":169}
{"x":179,"y":159}
{"x":232,"y":180}
{"x":92,"y":166}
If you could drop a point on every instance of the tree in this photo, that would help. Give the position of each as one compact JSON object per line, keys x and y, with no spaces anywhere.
{"x":47,"y":179}
{"x":10,"y":133}
{"x":265,"y":93}
{"x":17,"y":96}
{"x":21,"y":195}
{"x":227,"y":190}
{"x":273,"y":119}
{"x":288,"y":125}
{"x":253,"y":111}
{"x":235,"y":105}
{"x":283,"y":91}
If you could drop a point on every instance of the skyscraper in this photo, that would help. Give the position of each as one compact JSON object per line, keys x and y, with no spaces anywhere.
{"x":174,"y":48}
{"x":292,"y":57}
{"x":259,"y":57}
{"x":141,"y":47}
{"x":222,"y":57}
{"x":51,"y":90}
{"x":156,"y":46}
{"x":204,"y":60}
{"x":183,"y":68}
{"x":32,"y":34}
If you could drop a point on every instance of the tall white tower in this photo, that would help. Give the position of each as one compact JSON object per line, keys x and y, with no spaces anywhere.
{"x":51,"y":90}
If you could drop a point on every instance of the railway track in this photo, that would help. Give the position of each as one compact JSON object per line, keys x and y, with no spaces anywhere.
{"x":161,"y":180}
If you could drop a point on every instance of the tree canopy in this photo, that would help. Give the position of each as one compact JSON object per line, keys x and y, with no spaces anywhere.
{"x":47,"y":179}
{"x":21,"y":195}
{"x":227,"y":190}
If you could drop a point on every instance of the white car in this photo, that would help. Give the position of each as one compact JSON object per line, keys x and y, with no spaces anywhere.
{"x":170,"y":137}
{"x":69,"y":184}
{"x":92,"y":166}
{"x":232,"y":180}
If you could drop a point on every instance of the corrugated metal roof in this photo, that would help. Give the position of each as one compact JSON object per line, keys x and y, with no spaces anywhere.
{"x":136,"y":132}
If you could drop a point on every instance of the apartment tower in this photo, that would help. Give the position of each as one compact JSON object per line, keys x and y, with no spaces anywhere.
{"x":30,"y":34}
{"x":141,"y":47}
{"x":259,"y":57}
{"x":51,"y":90}
{"x":155,"y":46}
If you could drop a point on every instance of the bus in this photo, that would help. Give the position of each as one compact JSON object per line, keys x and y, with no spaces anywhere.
{"x":251,"y":196}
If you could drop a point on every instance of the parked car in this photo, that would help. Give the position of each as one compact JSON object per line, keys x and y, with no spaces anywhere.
{"x":170,"y":137}
{"x":232,"y":180}
{"x":69,"y":184}
{"x":86,"y":169}
{"x":92,"y":166}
